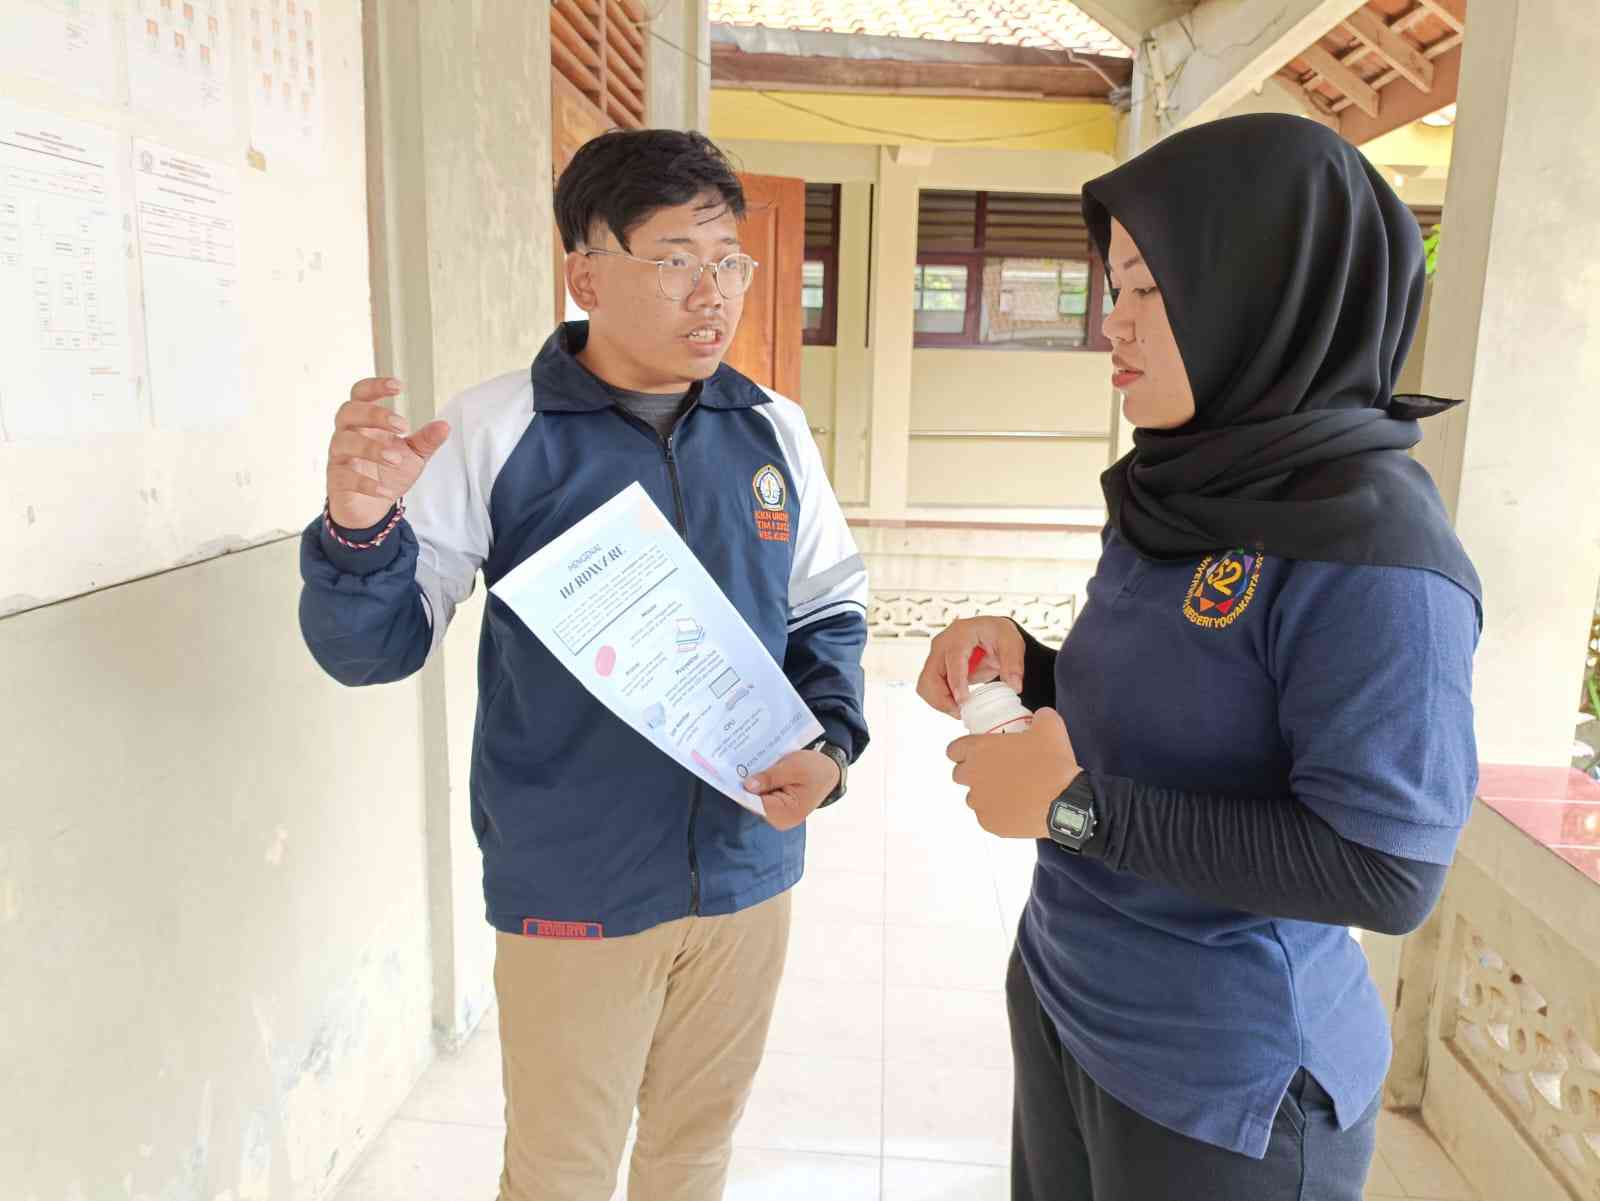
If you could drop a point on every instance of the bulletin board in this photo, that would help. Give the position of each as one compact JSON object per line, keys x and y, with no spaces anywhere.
{"x":184,"y":295}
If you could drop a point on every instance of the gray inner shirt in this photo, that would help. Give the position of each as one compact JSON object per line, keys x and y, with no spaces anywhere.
{"x":657,"y":410}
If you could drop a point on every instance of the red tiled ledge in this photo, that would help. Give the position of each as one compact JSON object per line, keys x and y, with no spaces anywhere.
{"x":1558,"y":807}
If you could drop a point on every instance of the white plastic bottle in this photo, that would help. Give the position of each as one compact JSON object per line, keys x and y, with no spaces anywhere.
{"x":993,"y":708}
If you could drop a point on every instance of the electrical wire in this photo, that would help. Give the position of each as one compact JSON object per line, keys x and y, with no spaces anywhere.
{"x":907,"y":135}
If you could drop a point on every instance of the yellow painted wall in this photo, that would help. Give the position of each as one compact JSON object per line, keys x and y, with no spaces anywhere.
{"x":1011,"y":389}
{"x":818,"y":365}
{"x":874,"y":120}
{"x":872,"y":390}
{"x":990,"y":475}
{"x":1003,"y":390}
{"x":1414,"y":145}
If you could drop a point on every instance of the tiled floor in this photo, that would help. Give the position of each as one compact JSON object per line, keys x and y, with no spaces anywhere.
{"x":888,"y":1073}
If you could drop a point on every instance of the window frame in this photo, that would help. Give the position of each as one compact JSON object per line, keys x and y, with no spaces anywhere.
{"x":973,"y":262}
{"x":976,"y":259}
{"x":827,"y":334}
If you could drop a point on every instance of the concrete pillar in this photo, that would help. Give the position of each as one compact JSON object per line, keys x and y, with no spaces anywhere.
{"x":678,"y":48}
{"x":1513,"y":328}
{"x":852,"y":366}
{"x":458,"y":148}
{"x":894,"y":259}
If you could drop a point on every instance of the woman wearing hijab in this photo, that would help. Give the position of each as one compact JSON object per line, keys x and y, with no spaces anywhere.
{"x":1259,"y":731}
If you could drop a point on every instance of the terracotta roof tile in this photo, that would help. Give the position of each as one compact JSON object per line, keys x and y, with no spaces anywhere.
{"x":1046,"y":24}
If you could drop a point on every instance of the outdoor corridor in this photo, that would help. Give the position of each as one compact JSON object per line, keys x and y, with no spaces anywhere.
{"x":887,"y":1075}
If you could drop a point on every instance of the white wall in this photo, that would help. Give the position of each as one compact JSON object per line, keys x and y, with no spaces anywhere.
{"x":83,"y":513}
{"x":1009,"y":391}
{"x":213,"y":906}
{"x":238,"y":902}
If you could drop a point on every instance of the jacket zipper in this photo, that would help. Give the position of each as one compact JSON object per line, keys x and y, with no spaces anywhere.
{"x":683,"y":532}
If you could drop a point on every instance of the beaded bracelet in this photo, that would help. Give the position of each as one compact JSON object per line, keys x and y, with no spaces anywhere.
{"x":327,"y":524}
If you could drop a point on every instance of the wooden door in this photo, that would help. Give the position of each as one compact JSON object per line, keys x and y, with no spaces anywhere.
{"x":767,"y":347}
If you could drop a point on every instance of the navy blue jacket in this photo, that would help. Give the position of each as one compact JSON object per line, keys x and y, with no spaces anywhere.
{"x":587,"y":830}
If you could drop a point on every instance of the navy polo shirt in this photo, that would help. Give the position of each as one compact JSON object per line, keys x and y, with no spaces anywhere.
{"x":1343,"y":688}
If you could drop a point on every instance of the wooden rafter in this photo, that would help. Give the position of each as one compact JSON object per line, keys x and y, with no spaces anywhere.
{"x":1404,"y":24}
{"x":1369,"y":28}
{"x":1450,"y":12}
{"x":733,"y":68}
{"x":1434,"y":52}
{"x":1370,"y":35}
{"x":1360,"y":93}
{"x":1413,"y":65}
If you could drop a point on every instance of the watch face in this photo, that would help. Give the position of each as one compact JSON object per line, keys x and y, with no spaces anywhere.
{"x":1068,"y":821}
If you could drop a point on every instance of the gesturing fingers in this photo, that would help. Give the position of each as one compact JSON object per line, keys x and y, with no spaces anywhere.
{"x":349,"y":477}
{"x":348,"y":445}
{"x":366,"y":415}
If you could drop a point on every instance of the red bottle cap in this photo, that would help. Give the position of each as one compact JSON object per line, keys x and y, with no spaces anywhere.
{"x":973,"y":661}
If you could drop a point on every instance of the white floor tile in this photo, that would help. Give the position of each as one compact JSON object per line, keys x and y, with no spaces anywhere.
{"x":465,"y":1086}
{"x":1419,"y":1163}
{"x":835,"y":951}
{"x":1013,"y":897}
{"x":808,"y":1103}
{"x":943,"y":857}
{"x":934,"y":813}
{"x":839,"y":1018}
{"x":852,"y":898}
{"x":1381,"y":1179}
{"x":429,"y":1161}
{"x":759,"y":1175}
{"x":921,"y":1180}
{"x":951,"y":1026}
{"x":834,"y":845}
{"x":957,"y":899}
{"x":923,"y":957}
{"x":947,"y":1112}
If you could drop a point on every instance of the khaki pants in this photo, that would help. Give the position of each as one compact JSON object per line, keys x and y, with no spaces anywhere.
{"x":673,"y":1020}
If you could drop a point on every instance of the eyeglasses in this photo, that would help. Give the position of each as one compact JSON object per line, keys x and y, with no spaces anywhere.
{"x":679,"y":275}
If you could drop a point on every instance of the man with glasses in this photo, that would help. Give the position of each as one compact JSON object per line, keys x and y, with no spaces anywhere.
{"x":642,"y":920}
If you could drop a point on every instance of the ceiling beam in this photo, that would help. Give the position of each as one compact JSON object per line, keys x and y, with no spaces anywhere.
{"x":1452,"y":12}
{"x":1224,"y":49}
{"x":1361,"y":93}
{"x":1130,"y":20}
{"x":1400,"y":54}
{"x":1401,"y":106}
{"x":1401,"y":25}
{"x":733,"y":68}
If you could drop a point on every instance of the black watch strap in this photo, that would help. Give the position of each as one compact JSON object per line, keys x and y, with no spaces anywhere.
{"x":841,"y":760}
{"x":1072,"y":819}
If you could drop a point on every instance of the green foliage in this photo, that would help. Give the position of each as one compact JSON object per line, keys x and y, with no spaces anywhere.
{"x":1431,"y":245}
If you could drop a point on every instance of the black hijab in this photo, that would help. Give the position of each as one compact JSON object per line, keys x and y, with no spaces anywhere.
{"x":1293,"y":279}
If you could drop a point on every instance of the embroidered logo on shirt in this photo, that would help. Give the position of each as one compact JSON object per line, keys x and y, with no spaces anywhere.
{"x":770,"y":488}
{"x":1222,"y":588}
{"x":538,"y":927}
{"x":772,"y":519}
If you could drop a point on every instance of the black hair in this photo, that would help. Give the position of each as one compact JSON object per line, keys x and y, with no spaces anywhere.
{"x":620,"y":178}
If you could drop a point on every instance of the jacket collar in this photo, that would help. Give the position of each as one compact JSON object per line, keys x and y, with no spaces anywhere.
{"x":561,"y":384}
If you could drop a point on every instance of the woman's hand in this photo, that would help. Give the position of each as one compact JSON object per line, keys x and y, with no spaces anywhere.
{"x":943,"y":683}
{"x":1012,"y":778}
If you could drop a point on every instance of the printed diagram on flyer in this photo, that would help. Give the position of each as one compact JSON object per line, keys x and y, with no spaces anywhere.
{"x":623,"y":603}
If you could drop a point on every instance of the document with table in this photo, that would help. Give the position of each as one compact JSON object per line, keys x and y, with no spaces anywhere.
{"x":623,"y":603}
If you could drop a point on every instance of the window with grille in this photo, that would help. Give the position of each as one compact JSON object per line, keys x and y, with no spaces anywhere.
{"x":819,"y":278}
{"x":1007,"y":269}
{"x":598,"y":46}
